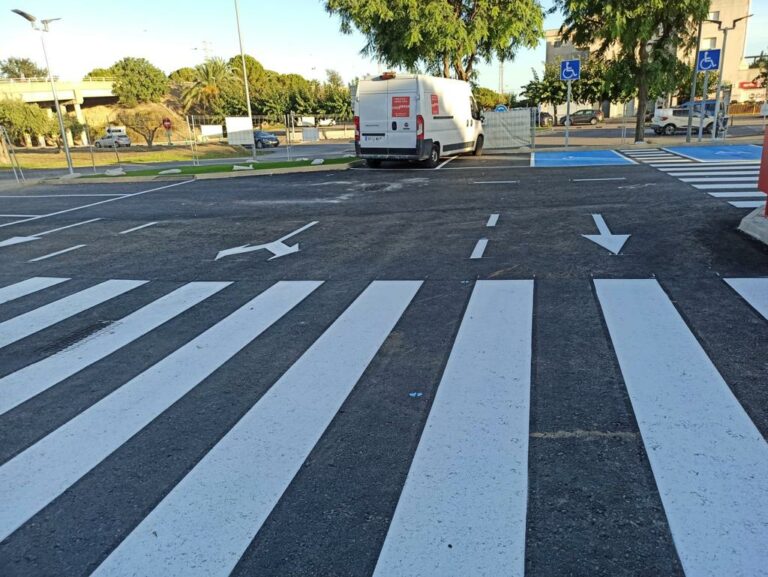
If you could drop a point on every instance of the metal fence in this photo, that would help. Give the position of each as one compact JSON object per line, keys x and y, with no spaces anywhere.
{"x":508,"y":130}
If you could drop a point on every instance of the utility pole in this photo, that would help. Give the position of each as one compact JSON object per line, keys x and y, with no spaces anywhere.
{"x":245,"y":79}
{"x":724,"y":30}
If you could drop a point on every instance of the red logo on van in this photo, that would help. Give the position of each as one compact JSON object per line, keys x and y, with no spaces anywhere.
{"x":435,"y":105}
{"x":401,"y":106}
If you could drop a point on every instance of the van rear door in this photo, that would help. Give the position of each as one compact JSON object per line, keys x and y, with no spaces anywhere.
{"x":402,"y":106}
{"x":372,"y":109}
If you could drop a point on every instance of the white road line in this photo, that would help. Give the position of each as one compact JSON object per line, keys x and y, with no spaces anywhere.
{"x":66,"y":227}
{"x":479,"y":249}
{"x":57,"y":253}
{"x":754,"y":291}
{"x":442,"y":164}
{"x":715,"y":173}
{"x":713,"y":166}
{"x":596,"y":179}
{"x":495,"y":182}
{"x":39,"y":474}
{"x":712,"y":178}
{"x":26,"y":287}
{"x":131,"y":195}
{"x":533,"y":159}
{"x":748,"y":203}
{"x":138,"y":227}
{"x":45,"y":316}
{"x":32,"y":380}
{"x":709,"y":460}
{"x":720,"y":185}
{"x":55,"y":195}
{"x":751,"y":194}
{"x":468,"y":483}
{"x":668,"y":163}
{"x":492,"y":220}
{"x":17,"y":215}
{"x":207,"y":521}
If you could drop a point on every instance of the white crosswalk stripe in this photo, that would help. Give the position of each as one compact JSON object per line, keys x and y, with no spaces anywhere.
{"x":27,"y":287}
{"x":205,"y":524}
{"x":655,"y":155}
{"x":463,"y":507}
{"x":482,"y":471}
{"x":722,"y":180}
{"x":35,"y":477}
{"x":709,"y":460}
{"x":29,"y":323}
{"x":33,"y":379}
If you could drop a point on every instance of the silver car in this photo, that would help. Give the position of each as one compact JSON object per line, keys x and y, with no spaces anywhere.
{"x":113,"y":140}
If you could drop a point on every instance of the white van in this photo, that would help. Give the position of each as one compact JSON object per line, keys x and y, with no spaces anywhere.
{"x":415,"y":117}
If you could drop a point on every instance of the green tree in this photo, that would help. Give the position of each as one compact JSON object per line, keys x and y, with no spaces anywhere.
{"x":444,"y":36}
{"x":182,"y":75}
{"x":761,"y":64}
{"x":645,"y":35}
{"x":137,"y":81}
{"x":547,"y":89}
{"x":15,"y":67}
{"x":100,"y":73}
{"x":487,"y":98}
{"x":256,"y":75}
{"x":144,"y":123}
{"x":212,"y":78}
{"x":20,"y":118}
{"x":335,"y":97}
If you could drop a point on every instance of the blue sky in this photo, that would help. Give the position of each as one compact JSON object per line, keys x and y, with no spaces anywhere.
{"x":288,"y":36}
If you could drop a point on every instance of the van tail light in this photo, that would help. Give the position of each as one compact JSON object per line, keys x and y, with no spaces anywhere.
{"x":357,"y":129}
{"x":419,"y":127}
{"x":664,"y":118}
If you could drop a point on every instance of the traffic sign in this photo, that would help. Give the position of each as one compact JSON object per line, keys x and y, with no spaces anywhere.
{"x":167,"y":123}
{"x":500,"y":108}
{"x":570,"y":70}
{"x":708,"y":60}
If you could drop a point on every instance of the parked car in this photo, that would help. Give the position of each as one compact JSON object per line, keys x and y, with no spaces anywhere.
{"x":326,"y":122}
{"x":265,"y":139}
{"x":668,"y":121}
{"x":113,"y":139}
{"x":304,"y":121}
{"x":544,"y":119}
{"x":586,"y":116}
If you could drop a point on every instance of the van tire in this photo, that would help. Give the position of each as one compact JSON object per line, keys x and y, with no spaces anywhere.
{"x":478,"y":151}
{"x":669,"y":129}
{"x":373,"y":162}
{"x":434,"y":157}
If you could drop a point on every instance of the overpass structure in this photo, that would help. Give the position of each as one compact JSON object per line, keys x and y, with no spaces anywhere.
{"x":73,"y":95}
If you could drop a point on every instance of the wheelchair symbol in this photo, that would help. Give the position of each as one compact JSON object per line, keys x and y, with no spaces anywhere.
{"x":707,"y":63}
{"x":568,"y":73}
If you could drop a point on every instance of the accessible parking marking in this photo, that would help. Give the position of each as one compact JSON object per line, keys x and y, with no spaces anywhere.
{"x":580,"y":158}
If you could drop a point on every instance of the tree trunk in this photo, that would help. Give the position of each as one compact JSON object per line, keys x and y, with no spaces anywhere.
{"x":642,"y":94}
{"x":446,"y":66}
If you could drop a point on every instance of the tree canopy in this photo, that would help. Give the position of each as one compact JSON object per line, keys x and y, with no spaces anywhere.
{"x":645,"y":36}
{"x":21,"y":68}
{"x":19,"y":118}
{"x":137,"y":81}
{"x":445,"y":37}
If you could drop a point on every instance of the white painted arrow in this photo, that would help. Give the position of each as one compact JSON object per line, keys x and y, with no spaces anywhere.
{"x":612,"y":242}
{"x":20,"y":239}
{"x":277,"y":247}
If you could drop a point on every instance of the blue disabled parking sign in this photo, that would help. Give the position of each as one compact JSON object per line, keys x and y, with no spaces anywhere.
{"x":708,"y":60}
{"x":570,"y":70}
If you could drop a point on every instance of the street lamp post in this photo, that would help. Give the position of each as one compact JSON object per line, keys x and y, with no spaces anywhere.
{"x":245,"y":79}
{"x":32,"y":20}
{"x":724,"y":30}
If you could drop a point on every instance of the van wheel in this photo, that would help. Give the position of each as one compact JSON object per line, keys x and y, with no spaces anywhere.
{"x":434,"y":157}
{"x":669,"y":129}
{"x":478,"y":146}
{"x":373,"y":163}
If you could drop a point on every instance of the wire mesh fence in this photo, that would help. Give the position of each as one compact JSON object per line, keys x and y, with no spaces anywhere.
{"x":509,"y":130}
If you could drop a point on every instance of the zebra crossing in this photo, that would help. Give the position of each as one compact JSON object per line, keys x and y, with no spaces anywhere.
{"x":655,"y":156}
{"x":468,"y":477}
{"x":734,"y":182}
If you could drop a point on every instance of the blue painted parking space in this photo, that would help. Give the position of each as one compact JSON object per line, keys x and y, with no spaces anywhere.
{"x":579,"y":158}
{"x":719,"y":153}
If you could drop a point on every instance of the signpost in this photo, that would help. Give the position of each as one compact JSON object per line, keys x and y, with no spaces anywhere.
{"x":706,"y":61}
{"x":570,"y":70}
{"x":762,"y":181}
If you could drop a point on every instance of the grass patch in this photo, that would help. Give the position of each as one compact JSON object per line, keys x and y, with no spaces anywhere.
{"x":211,"y":168}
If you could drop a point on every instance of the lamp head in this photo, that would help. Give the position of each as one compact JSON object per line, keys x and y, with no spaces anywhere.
{"x":28,"y":17}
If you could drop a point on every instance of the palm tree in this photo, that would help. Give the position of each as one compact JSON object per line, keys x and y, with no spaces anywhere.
{"x":211,"y":78}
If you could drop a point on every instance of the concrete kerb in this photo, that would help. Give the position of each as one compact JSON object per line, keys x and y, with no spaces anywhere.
{"x":204,"y":176}
{"x":755,"y":225}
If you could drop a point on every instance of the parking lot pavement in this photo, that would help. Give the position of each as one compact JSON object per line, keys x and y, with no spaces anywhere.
{"x":343,"y":373}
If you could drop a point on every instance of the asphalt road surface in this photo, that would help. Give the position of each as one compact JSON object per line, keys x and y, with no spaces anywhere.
{"x":397,"y":372}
